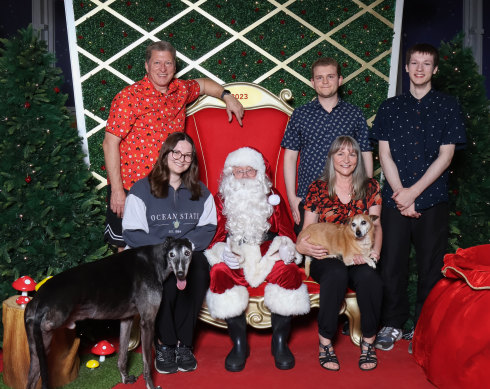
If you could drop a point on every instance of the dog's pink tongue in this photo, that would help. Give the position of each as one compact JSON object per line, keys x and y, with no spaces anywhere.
{"x":181,"y":284}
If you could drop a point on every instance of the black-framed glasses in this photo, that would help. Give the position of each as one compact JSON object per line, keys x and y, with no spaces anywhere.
{"x":176,"y":154}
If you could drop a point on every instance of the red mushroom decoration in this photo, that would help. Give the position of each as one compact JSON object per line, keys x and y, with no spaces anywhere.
{"x":102,"y":349}
{"x":24,"y":284}
{"x":23,"y":300}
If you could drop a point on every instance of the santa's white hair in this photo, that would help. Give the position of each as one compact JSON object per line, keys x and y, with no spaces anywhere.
{"x":246,"y":204}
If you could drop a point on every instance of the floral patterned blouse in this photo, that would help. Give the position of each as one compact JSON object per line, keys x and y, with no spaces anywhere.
{"x":334,"y":211}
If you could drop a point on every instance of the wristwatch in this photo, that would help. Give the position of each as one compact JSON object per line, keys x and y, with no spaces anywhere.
{"x":224,"y":93}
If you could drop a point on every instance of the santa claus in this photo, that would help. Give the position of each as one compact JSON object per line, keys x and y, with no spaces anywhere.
{"x":254,"y":243}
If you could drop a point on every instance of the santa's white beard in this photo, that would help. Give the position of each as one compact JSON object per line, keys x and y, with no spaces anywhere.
{"x":246,"y":207}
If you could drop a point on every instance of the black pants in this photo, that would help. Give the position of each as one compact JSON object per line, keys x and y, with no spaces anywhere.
{"x":334,"y":277}
{"x":429,"y":234}
{"x":178,"y":313}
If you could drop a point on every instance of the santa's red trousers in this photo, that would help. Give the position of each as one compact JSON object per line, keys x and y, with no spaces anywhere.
{"x":224,"y":278}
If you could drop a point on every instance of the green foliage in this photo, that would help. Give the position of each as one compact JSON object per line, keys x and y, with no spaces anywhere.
{"x":51,"y":216}
{"x":469,"y":181}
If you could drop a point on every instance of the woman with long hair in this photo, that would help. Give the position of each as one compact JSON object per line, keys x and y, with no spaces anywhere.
{"x":172,"y":202}
{"x":343,"y":191}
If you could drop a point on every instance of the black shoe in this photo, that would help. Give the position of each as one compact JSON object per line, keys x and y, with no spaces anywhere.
{"x":236,"y":358}
{"x":186,"y":361}
{"x":281,"y":327}
{"x":165,"y":360}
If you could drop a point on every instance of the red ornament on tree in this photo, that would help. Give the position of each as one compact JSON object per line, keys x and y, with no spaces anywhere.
{"x":171,"y":35}
{"x":346,"y":9}
{"x":367,"y":79}
{"x":367,"y":105}
{"x":28,"y":179}
{"x":367,"y":53}
{"x":283,"y":52}
{"x":103,"y":82}
{"x":259,"y":61}
{"x":125,"y":34}
{"x":56,"y":90}
{"x":261,"y":37}
{"x":332,"y":23}
{"x":257,"y":9}
{"x":244,"y":53}
{"x":169,"y":5}
{"x":80,"y":37}
{"x":102,"y":167}
{"x":219,"y":61}
{"x":102,"y":24}
{"x":365,"y":26}
{"x":281,"y":80}
{"x":232,"y":21}
{"x":102,"y":51}
{"x":102,"y":109}
{"x":303,"y":12}
{"x":344,"y":36}
{"x":27,"y":105}
{"x":303,"y":65}
{"x":319,"y":53}
{"x":282,"y":21}
{"x":128,"y":3}
{"x":150,"y":19}
{"x":130,"y":67}
{"x":191,"y":20}
{"x":345,"y":64}
{"x":349,"y":92}
{"x":458,"y":213}
{"x":233,"y":76}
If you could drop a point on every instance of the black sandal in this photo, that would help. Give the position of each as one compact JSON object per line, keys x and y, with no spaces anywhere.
{"x":368,"y":355}
{"x":328,"y":356}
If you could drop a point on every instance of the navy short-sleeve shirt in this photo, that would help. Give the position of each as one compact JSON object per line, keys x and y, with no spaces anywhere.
{"x":415,"y":130}
{"x":311,"y":131}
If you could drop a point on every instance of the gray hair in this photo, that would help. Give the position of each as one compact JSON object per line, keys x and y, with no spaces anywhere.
{"x":160,"y":46}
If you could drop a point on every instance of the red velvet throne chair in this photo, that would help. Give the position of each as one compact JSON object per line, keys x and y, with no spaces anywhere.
{"x":264,"y":123}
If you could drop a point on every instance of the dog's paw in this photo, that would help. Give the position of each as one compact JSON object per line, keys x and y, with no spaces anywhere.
{"x":130,"y":379}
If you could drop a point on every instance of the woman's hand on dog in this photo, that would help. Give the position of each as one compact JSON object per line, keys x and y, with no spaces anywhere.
{"x":312,"y":250}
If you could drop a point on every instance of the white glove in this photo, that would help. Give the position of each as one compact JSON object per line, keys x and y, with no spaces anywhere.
{"x":231,"y":260}
{"x":286,"y":253}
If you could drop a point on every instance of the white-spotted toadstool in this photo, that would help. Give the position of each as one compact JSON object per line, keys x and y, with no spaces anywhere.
{"x":24,"y":284}
{"x":102,"y":349}
{"x":92,"y":364}
{"x":22,"y":301}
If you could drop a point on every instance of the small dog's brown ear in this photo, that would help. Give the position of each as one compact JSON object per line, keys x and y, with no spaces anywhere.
{"x":374,"y":217}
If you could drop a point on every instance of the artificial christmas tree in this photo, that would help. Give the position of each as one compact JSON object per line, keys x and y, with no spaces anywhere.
{"x":51,"y":215}
{"x":470,"y":171}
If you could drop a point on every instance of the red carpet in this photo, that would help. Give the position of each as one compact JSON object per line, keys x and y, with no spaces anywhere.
{"x":396,"y":368}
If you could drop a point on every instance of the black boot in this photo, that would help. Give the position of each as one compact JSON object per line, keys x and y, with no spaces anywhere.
{"x":237,"y":328}
{"x":281,"y":327}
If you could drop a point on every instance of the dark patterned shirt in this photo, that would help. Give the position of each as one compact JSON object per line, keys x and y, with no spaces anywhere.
{"x":143,"y":117}
{"x":311,"y":130}
{"x":415,"y":130}
{"x":335,"y":211}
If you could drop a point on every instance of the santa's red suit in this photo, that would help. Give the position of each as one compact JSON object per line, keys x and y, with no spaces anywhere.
{"x":284,"y":294}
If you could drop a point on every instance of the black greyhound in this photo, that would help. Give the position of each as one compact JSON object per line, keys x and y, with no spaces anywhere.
{"x":117,"y":287}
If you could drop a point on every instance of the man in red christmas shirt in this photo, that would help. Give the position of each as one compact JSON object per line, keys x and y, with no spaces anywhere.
{"x":142,"y":115}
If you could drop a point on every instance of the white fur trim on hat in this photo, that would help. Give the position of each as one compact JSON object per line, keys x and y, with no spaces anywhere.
{"x":246,"y":156}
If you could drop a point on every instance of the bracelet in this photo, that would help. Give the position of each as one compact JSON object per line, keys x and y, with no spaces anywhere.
{"x":224,"y":93}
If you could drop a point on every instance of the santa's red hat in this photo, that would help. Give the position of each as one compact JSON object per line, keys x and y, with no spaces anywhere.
{"x":246,"y":156}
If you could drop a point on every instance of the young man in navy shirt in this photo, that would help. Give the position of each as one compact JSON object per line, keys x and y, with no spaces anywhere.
{"x":312,"y":129}
{"x":417,"y":133}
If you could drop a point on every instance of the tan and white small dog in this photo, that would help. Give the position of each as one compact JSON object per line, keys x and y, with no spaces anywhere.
{"x":343,"y":241}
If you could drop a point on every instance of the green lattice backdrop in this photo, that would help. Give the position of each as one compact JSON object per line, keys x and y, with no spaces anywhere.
{"x":268,"y":42}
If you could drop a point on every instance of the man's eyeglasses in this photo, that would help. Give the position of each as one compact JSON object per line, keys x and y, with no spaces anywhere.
{"x":176,"y":154}
{"x":239,"y":173}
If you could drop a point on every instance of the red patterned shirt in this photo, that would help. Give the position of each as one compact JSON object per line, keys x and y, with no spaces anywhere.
{"x":143,"y":118}
{"x":334,"y":211}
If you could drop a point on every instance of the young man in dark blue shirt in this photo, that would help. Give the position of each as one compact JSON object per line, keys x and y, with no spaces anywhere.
{"x":417,"y":133}
{"x":312,"y":129}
